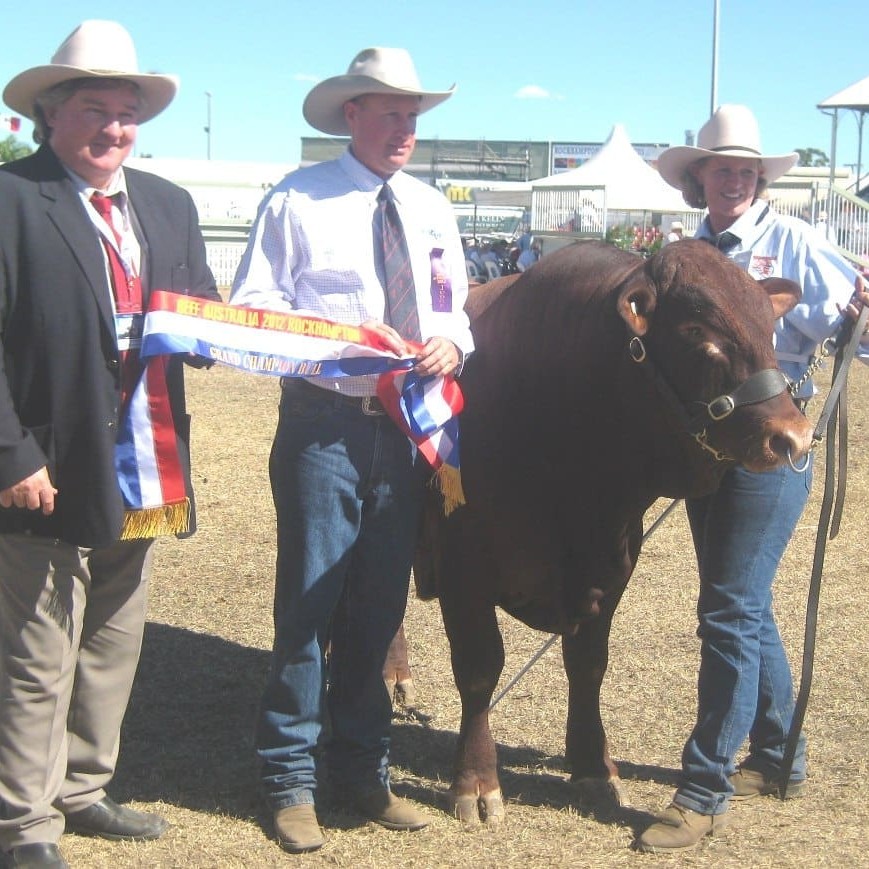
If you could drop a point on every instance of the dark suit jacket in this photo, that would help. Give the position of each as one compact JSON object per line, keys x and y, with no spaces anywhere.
{"x":60,"y":383}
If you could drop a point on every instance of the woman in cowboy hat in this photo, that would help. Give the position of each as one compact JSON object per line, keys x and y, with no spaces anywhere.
{"x":75,"y":548}
{"x":740,"y":532}
{"x":347,"y":488}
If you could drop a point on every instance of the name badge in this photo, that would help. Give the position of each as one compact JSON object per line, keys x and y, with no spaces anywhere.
{"x":128,"y":328}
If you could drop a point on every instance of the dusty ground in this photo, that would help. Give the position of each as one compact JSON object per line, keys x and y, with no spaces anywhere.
{"x":187,"y":745}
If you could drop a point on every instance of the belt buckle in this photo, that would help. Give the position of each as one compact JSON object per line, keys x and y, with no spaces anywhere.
{"x":368,"y":407}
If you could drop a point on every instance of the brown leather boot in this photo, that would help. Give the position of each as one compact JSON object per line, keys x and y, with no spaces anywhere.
{"x":297,"y":829}
{"x":678,"y":829}
{"x":749,"y":783}
{"x":385,"y":808}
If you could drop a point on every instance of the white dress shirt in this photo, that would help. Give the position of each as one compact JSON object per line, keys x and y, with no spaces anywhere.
{"x":311,"y":251}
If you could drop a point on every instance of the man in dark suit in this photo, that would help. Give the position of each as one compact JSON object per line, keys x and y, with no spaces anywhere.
{"x":94,"y":459}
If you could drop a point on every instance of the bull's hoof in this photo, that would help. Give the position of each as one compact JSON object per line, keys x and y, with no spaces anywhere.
{"x":470,"y":809}
{"x":404,"y":693}
{"x":602,"y":792}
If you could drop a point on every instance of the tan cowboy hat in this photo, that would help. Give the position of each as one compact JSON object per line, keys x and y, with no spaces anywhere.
{"x":733,"y":132}
{"x":373,"y":71}
{"x":95,"y":49}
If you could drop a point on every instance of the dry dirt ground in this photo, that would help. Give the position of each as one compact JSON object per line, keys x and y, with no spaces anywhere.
{"x":187,"y":748}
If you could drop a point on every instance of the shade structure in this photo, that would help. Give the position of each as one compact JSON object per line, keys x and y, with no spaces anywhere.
{"x":856,"y":98}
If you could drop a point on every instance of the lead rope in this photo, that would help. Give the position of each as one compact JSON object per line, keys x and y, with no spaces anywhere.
{"x":834,"y":411}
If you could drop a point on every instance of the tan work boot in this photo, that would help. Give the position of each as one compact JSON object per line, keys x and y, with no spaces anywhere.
{"x":678,"y":829}
{"x":385,"y":808}
{"x":749,"y":783}
{"x":297,"y":828}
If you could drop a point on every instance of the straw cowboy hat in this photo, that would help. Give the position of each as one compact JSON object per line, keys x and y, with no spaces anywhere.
{"x":95,"y":49}
{"x":732,"y":132}
{"x":373,"y":71}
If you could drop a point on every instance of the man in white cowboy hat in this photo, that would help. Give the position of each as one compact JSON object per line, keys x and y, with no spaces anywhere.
{"x":744,"y":688}
{"x":346,"y":481}
{"x":77,"y":523}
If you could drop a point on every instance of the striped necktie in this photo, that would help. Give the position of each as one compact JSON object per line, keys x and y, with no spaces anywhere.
{"x":397,"y":276}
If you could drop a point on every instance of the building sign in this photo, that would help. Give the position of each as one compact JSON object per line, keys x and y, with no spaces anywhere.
{"x":490,"y":223}
{"x":564,"y":156}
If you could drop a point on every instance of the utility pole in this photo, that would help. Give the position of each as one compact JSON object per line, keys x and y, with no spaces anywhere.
{"x":713,"y":97}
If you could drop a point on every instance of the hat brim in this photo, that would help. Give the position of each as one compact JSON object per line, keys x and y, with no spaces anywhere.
{"x":323,"y":108}
{"x":21,"y":93}
{"x":673,"y":162}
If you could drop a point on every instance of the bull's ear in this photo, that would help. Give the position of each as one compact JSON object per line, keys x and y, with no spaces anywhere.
{"x":635,"y":305}
{"x":783,"y":294}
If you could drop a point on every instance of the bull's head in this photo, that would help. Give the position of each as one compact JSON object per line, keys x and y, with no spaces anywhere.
{"x":703,"y":329}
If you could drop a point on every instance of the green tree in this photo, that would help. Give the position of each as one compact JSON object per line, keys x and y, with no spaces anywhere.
{"x":812,"y":157}
{"x":12,"y":149}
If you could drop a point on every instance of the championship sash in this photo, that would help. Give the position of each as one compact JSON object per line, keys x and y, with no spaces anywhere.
{"x":290,"y":345}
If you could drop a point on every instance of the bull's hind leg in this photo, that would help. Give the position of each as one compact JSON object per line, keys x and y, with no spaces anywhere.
{"x":585,"y":656}
{"x":396,"y":672}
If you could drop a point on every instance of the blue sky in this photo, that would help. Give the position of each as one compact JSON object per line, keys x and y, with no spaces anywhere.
{"x":541,"y":70}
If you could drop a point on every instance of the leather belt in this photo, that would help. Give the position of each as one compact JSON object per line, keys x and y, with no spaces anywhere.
{"x":370,"y":405}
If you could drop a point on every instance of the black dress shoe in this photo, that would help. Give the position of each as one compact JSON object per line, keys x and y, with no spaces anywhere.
{"x":108,"y":820}
{"x":40,"y":854}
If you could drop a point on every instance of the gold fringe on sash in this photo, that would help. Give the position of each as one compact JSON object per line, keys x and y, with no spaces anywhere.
{"x":156,"y":521}
{"x":449,"y":481}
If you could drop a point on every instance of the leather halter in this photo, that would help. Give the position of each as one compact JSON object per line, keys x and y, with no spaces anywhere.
{"x":761,"y":386}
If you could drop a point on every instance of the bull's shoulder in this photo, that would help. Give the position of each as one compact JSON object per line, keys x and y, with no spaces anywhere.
{"x":480,"y":296}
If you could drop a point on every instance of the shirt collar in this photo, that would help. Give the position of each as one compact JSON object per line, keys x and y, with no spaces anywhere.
{"x":370,"y":181}
{"x":746,"y":227}
{"x":118,"y":184}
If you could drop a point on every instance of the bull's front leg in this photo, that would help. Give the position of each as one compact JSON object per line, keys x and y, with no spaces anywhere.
{"x":477,"y":654}
{"x":586,"y":656}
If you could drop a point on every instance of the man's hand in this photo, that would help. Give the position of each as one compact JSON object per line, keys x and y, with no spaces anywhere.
{"x":33,"y":493}
{"x":438,"y":356}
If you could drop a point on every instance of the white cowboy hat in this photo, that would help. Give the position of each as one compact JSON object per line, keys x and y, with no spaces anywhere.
{"x":732,"y":132}
{"x":95,"y":49}
{"x":373,"y":71}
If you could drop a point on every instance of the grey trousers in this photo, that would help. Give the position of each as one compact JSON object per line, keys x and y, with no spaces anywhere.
{"x":71,"y":625}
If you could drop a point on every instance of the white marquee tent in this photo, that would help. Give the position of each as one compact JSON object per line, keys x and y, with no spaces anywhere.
{"x":631,"y":183}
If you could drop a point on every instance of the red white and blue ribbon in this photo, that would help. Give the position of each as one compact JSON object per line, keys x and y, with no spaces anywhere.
{"x":427,"y":410}
{"x":290,"y":345}
{"x":149,"y":468}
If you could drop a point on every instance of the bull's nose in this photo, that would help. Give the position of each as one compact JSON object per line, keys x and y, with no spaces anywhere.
{"x":791,"y":442}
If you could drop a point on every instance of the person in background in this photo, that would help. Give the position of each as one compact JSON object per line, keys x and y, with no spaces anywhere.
{"x":472,"y":252}
{"x":676,"y":232}
{"x":82,"y":242}
{"x":528,"y":255}
{"x":347,"y":484}
{"x":740,"y":532}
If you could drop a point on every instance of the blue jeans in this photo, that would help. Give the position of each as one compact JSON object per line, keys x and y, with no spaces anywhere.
{"x":348,"y":497}
{"x":745,"y":688}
